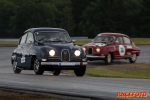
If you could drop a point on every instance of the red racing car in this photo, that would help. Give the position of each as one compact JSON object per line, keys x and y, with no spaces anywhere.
{"x":110,"y":46}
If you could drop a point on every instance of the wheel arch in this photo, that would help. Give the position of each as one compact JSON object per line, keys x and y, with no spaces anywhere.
{"x":32,"y":60}
{"x":112,"y":55}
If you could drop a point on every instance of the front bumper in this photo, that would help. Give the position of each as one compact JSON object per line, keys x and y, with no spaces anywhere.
{"x":64,"y":63}
{"x":92,"y":56}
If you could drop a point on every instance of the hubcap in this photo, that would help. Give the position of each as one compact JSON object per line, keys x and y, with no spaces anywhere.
{"x":133,"y":57}
{"x":109,"y":58}
{"x":14,"y":65}
{"x":36,"y":65}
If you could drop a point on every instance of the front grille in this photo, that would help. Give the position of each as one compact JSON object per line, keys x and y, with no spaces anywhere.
{"x":54,"y":58}
{"x":65,"y":56}
{"x":90,"y":51}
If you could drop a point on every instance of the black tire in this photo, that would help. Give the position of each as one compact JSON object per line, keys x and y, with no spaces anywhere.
{"x":108,"y":59}
{"x":56,"y":72}
{"x":15,"y":69}
{"x":37,"y":67}
{"x":81,"y":71}
{"x":133,"y":58}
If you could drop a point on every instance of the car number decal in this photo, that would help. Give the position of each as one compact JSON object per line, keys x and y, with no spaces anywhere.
{"x":22,"y":59}
{"x":121,"y":50}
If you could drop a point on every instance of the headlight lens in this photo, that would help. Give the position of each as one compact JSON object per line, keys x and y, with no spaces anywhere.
{"x":52,"y":52}
{"x":84,"y":49}
{"x":77,"y":53}
{"x":97,"y":49}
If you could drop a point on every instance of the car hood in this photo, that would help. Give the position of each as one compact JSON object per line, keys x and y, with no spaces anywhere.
{"x":61,"y":45}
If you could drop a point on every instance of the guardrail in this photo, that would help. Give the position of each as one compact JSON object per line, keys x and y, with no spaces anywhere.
{"x":74,"y":38}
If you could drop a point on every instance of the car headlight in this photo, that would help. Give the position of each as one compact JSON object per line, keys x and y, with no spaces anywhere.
{"x":84,"y":49}
{"x":97,"y":49}
{"x":52,"y":52}
{"x":77,"y":53}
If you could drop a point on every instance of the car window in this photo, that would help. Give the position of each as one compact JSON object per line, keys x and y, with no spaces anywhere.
{"x":126,"y":40}
{"x":52,"y":36}
{"x":119,"y":40}
{"x":23,"y":39}
{"x":30,"y":38}
{"x":103,"y":39}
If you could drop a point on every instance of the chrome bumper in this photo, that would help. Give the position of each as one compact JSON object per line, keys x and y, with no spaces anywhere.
{"x":64,"y":63}
{"x":91,"y":56}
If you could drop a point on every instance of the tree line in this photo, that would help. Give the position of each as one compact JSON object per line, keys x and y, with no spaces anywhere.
{"x":78,"y":17}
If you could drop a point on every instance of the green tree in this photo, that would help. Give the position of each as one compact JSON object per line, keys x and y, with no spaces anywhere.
{"x":64,"y":15}
{"x":6,"y":11}
{"x":109,"y":16}
{"x":32,"y":14}
{"x":144,"y":19}
{"x":78,"y":6}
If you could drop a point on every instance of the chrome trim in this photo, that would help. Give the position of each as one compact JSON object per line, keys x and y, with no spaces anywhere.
{"x":64,"y":63}
{"x":91,"y":56}
{"x":68,"y":53}
{"x":88,"y":50}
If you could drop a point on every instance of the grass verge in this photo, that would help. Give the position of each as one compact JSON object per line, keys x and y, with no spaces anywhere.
{"x":8,"y":44}
{"x":141,"y":71}
{"x":11,"y":95}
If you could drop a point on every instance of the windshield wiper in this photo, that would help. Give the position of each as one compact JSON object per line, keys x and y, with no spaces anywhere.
{"x":60,"y":40}
{"x":42,"y":38}
{"x":55,"y":40}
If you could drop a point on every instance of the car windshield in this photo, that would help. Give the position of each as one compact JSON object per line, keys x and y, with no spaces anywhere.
{"x":104,"y":39}
{"x":52,"y":37}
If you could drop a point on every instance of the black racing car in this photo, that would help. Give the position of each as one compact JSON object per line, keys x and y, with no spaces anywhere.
{"x":48,"y":49}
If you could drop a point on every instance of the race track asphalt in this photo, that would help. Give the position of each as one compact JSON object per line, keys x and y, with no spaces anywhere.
{"x":95,"y":88}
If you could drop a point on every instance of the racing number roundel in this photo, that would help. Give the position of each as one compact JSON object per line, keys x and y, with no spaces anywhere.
{"x":121,"y":50}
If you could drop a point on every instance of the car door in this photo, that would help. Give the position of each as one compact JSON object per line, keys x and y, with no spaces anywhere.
{"x":20,"y":51}
{"x":28,"y":46}
{"x":128,"y":45}
{"x":119,"y":48}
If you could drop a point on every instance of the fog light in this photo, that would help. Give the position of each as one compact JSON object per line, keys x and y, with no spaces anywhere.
{"x":44,"y":59}
{"x":84,"y":49}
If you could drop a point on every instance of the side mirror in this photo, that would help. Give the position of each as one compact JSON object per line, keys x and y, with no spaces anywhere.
{"x":30,"y":40}
{"x":73,"y":41}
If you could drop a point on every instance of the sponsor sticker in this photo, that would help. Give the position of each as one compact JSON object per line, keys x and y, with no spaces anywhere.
{"x":129,"y":46}
{"x":100,"y":44}
{"x":121,"y":50}
{"x":22,"y":59}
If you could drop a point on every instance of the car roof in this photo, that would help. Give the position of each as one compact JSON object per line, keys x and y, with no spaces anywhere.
{"x":33,"y":30}
{"x":112,"y":34}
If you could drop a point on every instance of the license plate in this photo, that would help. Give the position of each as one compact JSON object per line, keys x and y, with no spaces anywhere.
{"x":66,"y":64}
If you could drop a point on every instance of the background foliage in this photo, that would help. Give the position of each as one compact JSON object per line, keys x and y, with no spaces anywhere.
{"x":78,"y":17}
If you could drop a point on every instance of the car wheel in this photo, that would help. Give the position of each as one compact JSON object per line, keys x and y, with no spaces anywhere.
{"x":133,"y":58}
{"x":15,"y":69}
{"x":108,"y":59}
{"x":56,"y":72}
{"x":80,"y":71}
{"x":37,"y":67}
